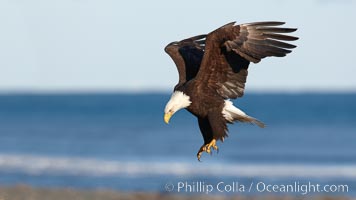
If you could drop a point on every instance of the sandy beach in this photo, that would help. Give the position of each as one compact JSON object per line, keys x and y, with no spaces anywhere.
{"x":24,"y":192}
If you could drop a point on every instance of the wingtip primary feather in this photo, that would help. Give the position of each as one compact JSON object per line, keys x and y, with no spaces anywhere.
{"x":267,"y":29}
{"x":280,"y":36}
{"x":265,"y":23}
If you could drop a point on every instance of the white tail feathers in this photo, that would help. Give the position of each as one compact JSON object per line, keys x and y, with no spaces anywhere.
{"x":231,"y":114}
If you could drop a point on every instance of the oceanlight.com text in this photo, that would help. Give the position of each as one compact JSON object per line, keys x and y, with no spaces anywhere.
{"x":296,"y":187}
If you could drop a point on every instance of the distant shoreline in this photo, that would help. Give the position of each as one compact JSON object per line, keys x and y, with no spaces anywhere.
{"x":29,"y":192}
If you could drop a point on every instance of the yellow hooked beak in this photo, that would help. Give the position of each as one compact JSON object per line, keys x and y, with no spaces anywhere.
{"x":167,"y":116}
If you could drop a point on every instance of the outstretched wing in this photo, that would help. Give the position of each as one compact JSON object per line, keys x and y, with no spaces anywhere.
{"x":230,"y":49}
{"x":258,"y":40}
{"x":187,"y":55}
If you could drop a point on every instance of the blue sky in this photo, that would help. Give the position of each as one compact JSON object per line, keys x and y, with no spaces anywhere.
{"x":84,"y":45}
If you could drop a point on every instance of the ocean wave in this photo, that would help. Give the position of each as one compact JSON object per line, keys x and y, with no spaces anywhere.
{"x":37,"y":165}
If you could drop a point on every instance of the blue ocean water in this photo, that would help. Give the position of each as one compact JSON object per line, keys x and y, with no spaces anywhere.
{"x":119,"y":141}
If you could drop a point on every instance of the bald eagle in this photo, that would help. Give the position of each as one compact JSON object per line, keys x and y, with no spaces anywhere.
{"x":213,"y":69}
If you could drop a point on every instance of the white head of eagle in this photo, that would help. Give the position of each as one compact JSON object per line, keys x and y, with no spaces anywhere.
{"x":178,"y":101}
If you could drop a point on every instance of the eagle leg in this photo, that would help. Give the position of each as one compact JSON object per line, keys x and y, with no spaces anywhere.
{"x":207,"y":148}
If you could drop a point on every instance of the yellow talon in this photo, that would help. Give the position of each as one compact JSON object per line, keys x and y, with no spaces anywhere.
{"x":207,"y":148}
{"x":199,"y":154}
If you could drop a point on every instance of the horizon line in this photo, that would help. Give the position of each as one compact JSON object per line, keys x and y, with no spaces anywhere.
{"x":161,"y":91}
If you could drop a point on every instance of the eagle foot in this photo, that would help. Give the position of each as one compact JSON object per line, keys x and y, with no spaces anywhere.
{"x":207,"y":148}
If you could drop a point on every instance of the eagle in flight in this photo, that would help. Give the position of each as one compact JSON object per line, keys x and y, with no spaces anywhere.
{"x":213,"y":69}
